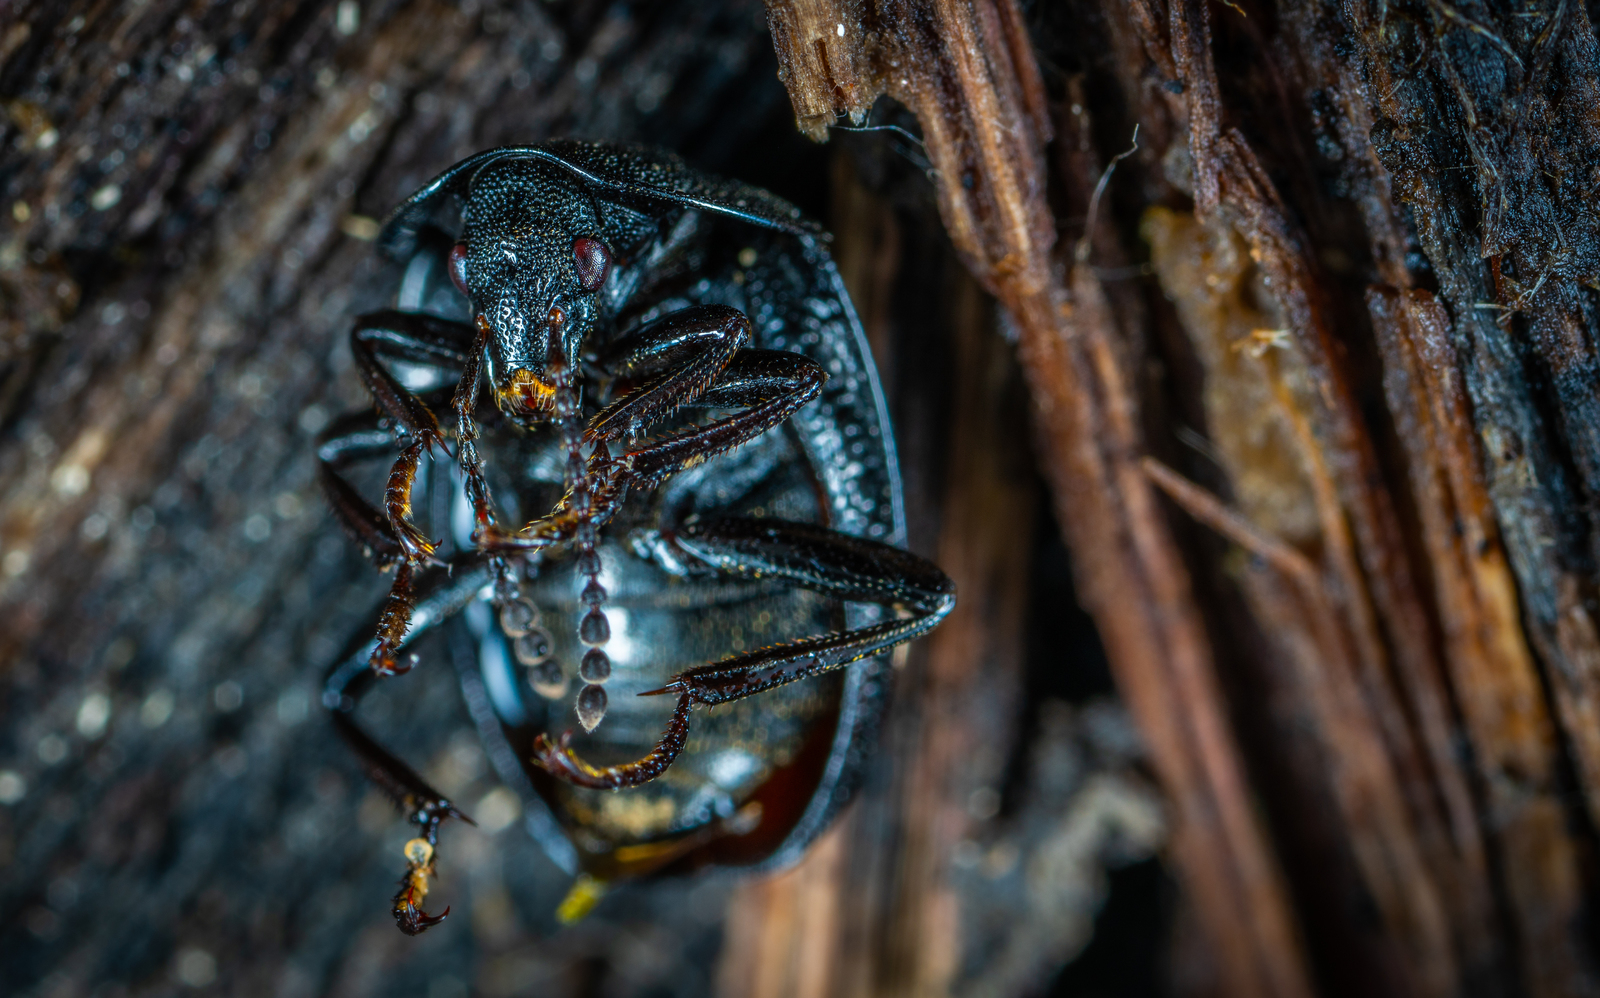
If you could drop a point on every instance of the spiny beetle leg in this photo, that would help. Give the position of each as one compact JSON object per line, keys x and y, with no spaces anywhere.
{"x":417,"y":547}
{"x":393,"y":623}
{"x":352,"y":438}
{"x":465,"y":403}
{"x":810,"y":556}
{"x":419,"y":339}
{"x":607,"y":487}
{"x":769,"y":385}
{"x":424,"y":806}
{"x":673,"y":360}
{"x":556,"y":757}
{"x":677,"y":358}
{"x":370,"y":528}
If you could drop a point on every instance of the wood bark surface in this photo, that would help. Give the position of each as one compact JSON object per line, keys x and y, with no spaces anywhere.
{"x":1389,"y":480}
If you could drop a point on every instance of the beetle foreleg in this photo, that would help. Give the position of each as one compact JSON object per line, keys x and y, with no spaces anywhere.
{"x":418,"y":549}
{"x":418,"y":339}
{"x":673,"y":361}
{"x":465,"y":403}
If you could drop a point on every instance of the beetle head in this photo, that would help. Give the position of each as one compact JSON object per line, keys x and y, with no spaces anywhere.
{"x":531,"y":259}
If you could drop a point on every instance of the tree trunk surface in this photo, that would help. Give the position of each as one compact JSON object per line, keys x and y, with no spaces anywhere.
{"x":1307,"y":383}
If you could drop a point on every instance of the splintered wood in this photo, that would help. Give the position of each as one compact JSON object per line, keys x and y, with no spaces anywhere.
{"x":967,"y":72}
{"x":1371,"y":387}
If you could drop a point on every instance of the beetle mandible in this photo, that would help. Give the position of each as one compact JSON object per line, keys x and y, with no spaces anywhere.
{"x":678,"y":383}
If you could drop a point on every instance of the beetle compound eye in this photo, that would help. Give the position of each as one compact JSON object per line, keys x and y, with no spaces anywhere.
{"x":594,"y":261}
{"x":458,"y":266}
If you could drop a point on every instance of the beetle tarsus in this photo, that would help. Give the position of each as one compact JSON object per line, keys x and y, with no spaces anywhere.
{"x":408,"y":912}
{"x":414,"y":922}
{"x":394,"y":622}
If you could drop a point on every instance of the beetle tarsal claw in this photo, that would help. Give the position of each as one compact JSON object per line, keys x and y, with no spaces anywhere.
{"x":553,"y":755}
{"x":418,"y":548}
{"x":433,"y":439}
{"x":408,"y":913}
{"x":384,"y":662}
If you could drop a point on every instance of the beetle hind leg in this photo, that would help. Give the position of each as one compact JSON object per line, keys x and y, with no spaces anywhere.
{"x":555,"y":756}
{"x":425,"y":806}
{"x":813,"y":557}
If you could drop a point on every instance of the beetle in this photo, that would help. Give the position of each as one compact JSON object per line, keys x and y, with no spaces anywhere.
{"x":683,"y":414}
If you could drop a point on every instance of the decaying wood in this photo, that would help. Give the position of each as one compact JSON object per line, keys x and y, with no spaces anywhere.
{"x":1491,"y":668}
{"x":961,"y":68}
{"x":1411,"y":759}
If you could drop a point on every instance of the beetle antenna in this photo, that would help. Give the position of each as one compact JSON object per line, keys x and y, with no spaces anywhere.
{"x":594,"y":630}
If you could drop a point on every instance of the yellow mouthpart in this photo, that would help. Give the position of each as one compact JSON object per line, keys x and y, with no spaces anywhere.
{"x":526,"y":394}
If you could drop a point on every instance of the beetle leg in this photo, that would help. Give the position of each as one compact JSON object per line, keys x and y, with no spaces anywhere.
{"x":607,"y":488}
{"x":561,"y":761}
{"x":690,"y":357}
{"x":390,"y":535}
{"x":351,"y":439}
{"x":465,"y":403}
{"x":768,"y":385}
{"x":672,"y":362}
{"x":445,"y":593}
{"x":420,"y":339}
{"x":813,"y":557}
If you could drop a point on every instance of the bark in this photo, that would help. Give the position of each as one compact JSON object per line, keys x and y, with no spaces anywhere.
{"x":1399,"y":488}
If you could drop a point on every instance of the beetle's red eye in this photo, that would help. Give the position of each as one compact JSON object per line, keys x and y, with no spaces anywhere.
{"x":458,"y":266}
{"x":593,"y":262}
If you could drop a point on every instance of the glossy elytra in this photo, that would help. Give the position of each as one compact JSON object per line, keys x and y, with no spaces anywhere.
{"x":677,"y":492}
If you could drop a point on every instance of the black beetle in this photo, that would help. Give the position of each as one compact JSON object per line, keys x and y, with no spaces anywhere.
{"x":612,"y":292}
